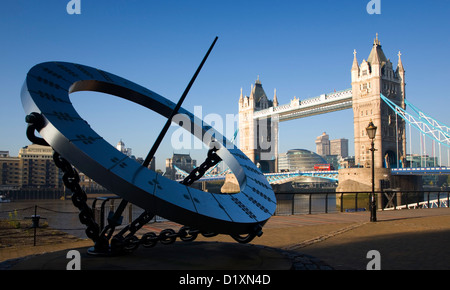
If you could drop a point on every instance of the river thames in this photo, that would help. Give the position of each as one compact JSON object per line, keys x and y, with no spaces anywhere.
{"x":63,"y":215}
{"x":58,"y":214}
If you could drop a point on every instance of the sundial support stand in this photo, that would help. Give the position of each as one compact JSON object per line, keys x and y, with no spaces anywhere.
{"x":49,"y":111}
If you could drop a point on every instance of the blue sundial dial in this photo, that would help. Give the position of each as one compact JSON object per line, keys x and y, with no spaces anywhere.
{"x":46,"y":92}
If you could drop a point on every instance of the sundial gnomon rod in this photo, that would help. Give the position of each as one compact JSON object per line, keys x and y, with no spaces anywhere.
{"x":163,"y":132}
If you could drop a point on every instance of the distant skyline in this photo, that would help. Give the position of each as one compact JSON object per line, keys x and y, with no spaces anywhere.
{"x":299,"y":48}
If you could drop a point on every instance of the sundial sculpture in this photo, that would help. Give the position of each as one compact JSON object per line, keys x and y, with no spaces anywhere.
{"x":45,"y":99}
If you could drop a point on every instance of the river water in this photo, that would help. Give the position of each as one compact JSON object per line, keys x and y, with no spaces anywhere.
{"x":58,"y":214}
{"x":63,"y":215}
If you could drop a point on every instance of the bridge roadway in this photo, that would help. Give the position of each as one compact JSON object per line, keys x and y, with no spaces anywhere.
{"x":279,"y":178}
{"x":297,"y":108}
{"x":421,"y":171}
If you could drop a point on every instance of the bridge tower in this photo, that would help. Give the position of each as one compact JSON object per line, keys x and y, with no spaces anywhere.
{"x":258,"y":138}
{"x":373,"y":77}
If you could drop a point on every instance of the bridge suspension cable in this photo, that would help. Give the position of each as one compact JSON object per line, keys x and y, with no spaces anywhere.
{"x":425,"y":124}
{"x":433,"y":122}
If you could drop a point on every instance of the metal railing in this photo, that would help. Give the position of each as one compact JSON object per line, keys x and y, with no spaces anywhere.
{"x":287,"y":204}
{"x":25,"y":194}
{"x":328,"y":202}
{"x":435,"y":199}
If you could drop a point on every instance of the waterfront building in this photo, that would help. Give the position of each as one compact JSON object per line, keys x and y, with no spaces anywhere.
{"x":35,"y":168}
{"x":339,"y":147}
{"x":299,"y":160}
{"x":10,"y":171}
{"x":347,"y":162}
{"x":323,"y":144}
{"x":38,"y":168}
{"x":88,"y":184}
{"x":333,"y":151}
{"x":128,"y":152}
{"x":182,"y":161}
{"x":121,"y":147}
{"x":303,"y":160}
{"x":333,"y":160}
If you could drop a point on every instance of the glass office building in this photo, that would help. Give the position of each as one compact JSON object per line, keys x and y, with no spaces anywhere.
{"x":299,"y":159}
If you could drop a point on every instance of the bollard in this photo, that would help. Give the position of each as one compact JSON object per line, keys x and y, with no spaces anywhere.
{"x":35,"y":221}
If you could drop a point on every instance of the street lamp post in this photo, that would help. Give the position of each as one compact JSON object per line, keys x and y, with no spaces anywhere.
{"x":371,"y":132}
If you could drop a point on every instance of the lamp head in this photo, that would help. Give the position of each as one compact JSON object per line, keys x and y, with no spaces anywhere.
{"x":371,"y":130}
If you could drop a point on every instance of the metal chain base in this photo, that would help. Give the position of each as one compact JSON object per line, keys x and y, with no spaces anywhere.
{"x":198,"y":172}
{"x":165,"y":237}
{"x":119,"y":243}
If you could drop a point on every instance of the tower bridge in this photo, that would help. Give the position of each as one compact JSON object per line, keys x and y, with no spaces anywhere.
{"x":377,"y":95}
{"x":259,"y":116}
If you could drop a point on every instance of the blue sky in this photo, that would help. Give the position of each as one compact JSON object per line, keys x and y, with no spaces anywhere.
{"x":301,"y":48}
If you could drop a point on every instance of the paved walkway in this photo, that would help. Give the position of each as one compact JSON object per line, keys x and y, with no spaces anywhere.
{"x":405,"y":239}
